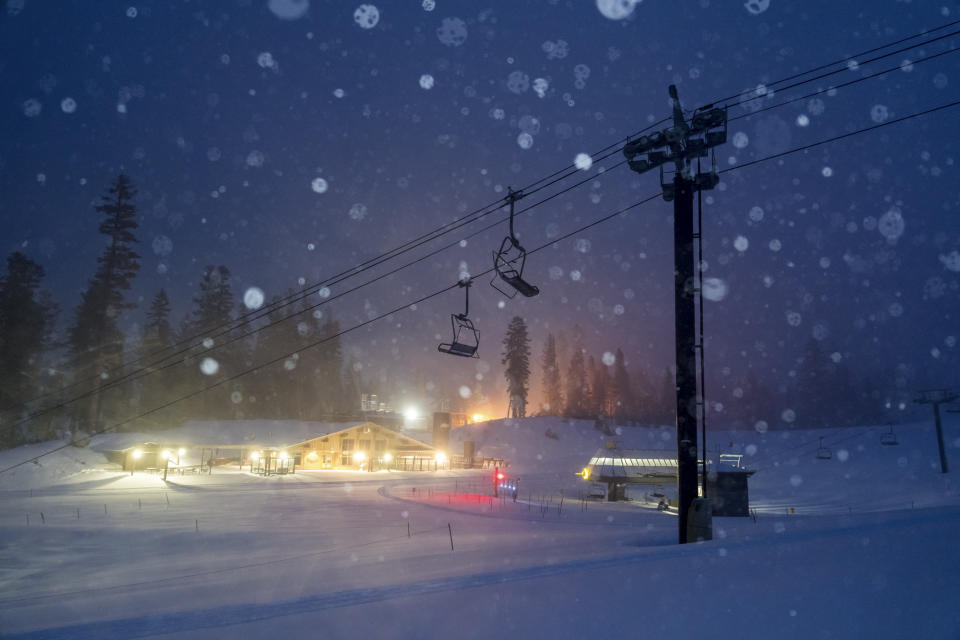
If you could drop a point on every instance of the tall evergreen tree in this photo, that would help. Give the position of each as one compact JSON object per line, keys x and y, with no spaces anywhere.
{"x":157,"y":327}
{"x":624,"y":406}
{"x":212,"y":311}
{"x":26,"y":323}
{"x":646,"y":397}
{"x":330,"y":368}
{"x":156,"y":336}
{"x":552,"y":392}
{"x":577,"y":390}
{"x":668,"y":398}
{"x":516,"y":357}
{"x":813,"y":399}
{"x":95,"y":339}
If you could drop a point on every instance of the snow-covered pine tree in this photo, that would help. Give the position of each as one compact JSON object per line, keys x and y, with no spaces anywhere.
{"x":516,"y":357}
{"x":26,"y":323}
{"x":153,"y":389}
{"x":552,"y":392}
{"x":212,"y":313}
{"x":577,"y":389}
{"x":624,"y":407}
{"x":95,"y":339}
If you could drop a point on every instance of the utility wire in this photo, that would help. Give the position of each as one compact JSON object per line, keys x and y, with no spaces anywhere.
{"x":556,"y":176}
{"x":456,"y":285}
{"x":162,"y":365}
{"x":292,"y":298}
{"x":847,"y":59}
{"x":843,"y":85}
{"x":843,"y":136}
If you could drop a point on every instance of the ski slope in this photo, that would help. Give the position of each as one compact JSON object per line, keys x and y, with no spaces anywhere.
{"x":867,"y":551}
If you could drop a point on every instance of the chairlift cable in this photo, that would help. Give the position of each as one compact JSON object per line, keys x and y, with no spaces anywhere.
{"x":447,"y":288}
{"x":290,"y":299}
{"x":434,"y":234}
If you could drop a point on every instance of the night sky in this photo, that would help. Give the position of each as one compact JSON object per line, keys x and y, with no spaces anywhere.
{"x":224,"y":114}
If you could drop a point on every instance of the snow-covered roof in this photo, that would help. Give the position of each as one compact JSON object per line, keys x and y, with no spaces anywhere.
{"x":632,"y":463}
{"x":227,"y":434}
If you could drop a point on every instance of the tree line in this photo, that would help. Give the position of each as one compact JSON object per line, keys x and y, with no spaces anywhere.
{"x":109,"y":376}
{"x":575,"y":384}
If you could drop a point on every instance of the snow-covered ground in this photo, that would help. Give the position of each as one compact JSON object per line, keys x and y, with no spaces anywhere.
{"x":868,"y":551}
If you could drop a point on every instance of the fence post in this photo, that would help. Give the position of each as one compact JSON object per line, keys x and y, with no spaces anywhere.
{"x":450,"y":530}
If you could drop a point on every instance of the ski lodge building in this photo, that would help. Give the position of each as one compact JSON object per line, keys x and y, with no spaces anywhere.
{"x":276,"y":446}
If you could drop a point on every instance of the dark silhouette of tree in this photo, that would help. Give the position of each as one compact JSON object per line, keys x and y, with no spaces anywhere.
{"x":814,"y":399}
{"x":516,"y":357}
{"x":578,"y":393}
{"x":95,"y":340}
{"x":213,"y":308}
{"x":213,"y":304}
{"x":646,"y":397}
{"x":157,"y":327}
{"x":667,"y":413}
{"x":157,"y":335}
{"x":624,"y":406}
{"x":552,"y":392}
{"x":26,"y":324}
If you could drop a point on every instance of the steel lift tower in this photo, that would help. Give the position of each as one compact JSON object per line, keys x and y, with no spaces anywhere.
{"x":681,"y":144}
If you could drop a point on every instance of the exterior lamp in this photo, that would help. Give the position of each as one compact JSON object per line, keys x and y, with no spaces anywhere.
{"x":255,"y":455}
{"x":440,"y":457}
{"x":165,"y":455}
{"x":137,"y":453}
{"x":478,"y":417}
{"x":411,"y":413}
{"x":359,"y":456}
{"x":388,"y":456}
{"x":283,"y":455}
{"x":181,"y":451}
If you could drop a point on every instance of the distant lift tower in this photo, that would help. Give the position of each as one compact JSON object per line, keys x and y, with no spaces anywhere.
{"x":680,"y":144}
{"x":936,"y":397}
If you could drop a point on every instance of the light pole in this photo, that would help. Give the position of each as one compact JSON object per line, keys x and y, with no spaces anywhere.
{"x":680,"y":144}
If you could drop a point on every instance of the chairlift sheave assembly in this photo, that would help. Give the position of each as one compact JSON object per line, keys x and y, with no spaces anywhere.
{"x":824,"y":453}
{"x":466,"y":338}
{"x":509,"y":261}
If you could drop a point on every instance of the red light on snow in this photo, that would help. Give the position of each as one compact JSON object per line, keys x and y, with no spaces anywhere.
{"x":499,"y":476}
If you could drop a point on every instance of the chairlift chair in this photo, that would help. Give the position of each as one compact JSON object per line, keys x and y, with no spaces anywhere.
{"x":889,"y":438}
{"x":509,"y":261}
{"x":824,"y":453}
{"x":466,"y":338}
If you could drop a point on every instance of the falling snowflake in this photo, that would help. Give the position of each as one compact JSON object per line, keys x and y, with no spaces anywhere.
{"x":951,"y":260}
{"x":209,"y":366}
{"x":756,"y":7}
{"x":289,"y":9}
{"x":714,"y":289}
{"x":891,"y":224}
{"x":366,"y":16}
{"x":32,"y":108}
{"x":426,"y":81}
{"x":518,"y":82}
{"x":253,"y":298}
{"x":452,"y":32}
{"x":617,"y":9}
